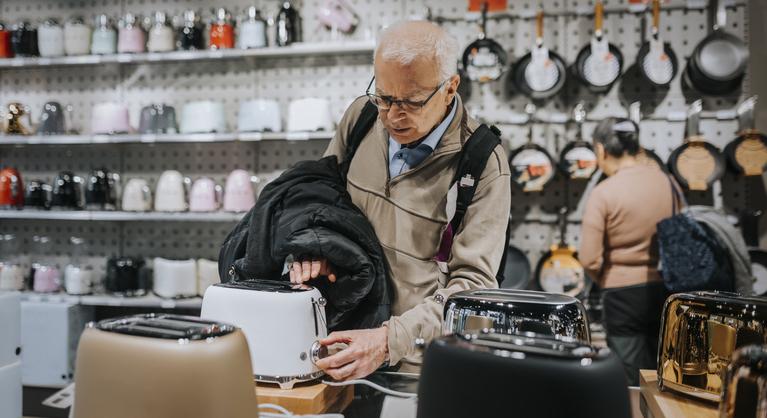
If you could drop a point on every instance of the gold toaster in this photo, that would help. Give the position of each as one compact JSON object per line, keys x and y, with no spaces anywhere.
{"x":699,"y":333}
{"x":168,"y":366}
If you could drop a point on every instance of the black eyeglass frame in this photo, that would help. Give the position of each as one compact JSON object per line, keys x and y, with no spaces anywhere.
{"x":404,"y":104}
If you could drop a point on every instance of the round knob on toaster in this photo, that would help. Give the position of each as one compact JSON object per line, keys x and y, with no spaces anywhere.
{"x":317,"y":352}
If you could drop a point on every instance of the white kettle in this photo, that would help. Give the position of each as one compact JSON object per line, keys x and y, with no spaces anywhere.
{"x":171,"y":191}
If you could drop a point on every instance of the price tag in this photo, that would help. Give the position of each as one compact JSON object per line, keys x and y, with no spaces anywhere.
{"x":297,"y":136}
{"x":167,"y":304}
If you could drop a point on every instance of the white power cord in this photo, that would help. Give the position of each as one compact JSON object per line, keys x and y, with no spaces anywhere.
{"x":282,"y":412}
{"x":372,"y":385}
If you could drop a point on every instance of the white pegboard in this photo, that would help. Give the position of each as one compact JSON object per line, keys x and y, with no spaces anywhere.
{"x":340,"y":79}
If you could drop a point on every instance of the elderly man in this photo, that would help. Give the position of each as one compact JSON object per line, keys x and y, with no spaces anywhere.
{"x":400,"y":177}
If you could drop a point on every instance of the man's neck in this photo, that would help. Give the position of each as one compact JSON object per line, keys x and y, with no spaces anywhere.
{"x":418,"y":141}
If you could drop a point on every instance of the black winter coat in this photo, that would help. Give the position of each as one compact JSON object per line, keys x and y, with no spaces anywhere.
{"x":307,"y":213}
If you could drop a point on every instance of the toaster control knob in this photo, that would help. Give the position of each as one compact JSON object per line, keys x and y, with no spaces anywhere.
{"x":318,"y":351}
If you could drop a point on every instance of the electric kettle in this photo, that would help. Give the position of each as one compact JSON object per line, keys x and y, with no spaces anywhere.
{"x":131,"y":37}
{"x":163,"y":366}
{"x":11,"y":271}
{"x":158,"y":119}
{"x":238,"y":192}
{"x":137,"y":197}
{"x":161,"y":36}
{"x":288,"y":25}
{"x":190,"y":34}
{"x":509,"y":311}
{"x":338,"y":15}
{"x":104,"y":40}
{"x":175,"y":278}
{"x":207,"y":275}
{"x":259,"y":115}
{"x":221,"y":30}
{"x":205,"y":195}
{"x":268,"y":311}
{"x":127,"y":276}
{"x":52,"y":120}
{"x":24,"y":40}
{"x":38,"y":195}
{"x":252,"y":30}
{"x":203,"y":116}
{"x":11,"y":188}
{"x":102,"y":190}
{"x":171,"y":191}
{"x":110,"y":118}
{"x":310,"y":114}
{"x":78,"y":276}
{"x":68,"y":191}
{"x":77,"y":37}
{"x":46,"y":277}
{"x":6,"y":50}
{"x":50,"y":39}
{"x":16,"y":120}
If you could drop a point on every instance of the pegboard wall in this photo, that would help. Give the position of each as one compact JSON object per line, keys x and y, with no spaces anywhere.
{"x":568,"y":27}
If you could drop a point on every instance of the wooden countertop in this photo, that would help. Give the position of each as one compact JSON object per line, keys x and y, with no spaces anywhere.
{"x":657,"y":404}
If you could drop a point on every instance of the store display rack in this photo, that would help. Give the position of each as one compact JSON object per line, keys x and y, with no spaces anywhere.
{"x":117,"y":216}
{"x":295,"y":50}
{"x":161,"y":138}
{"x":148,"y":301}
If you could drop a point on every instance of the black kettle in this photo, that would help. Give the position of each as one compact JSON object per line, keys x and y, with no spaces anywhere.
{"x":102,"y":190}
{"x":128,"y":276}
{"x":68,"y":191}
{"x":24,"y":40}
{"x":38,"y":195}
{"x":288,"y":25}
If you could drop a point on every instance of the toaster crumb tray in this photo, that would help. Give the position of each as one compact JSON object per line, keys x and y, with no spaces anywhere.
{"x":312,"y":398}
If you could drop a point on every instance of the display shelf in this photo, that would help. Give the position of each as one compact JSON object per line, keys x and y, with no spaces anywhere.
{"x":161,"y":138}
{"x":118,"y":216}
{"x":299,"y":49}
{"x":148,"y":301}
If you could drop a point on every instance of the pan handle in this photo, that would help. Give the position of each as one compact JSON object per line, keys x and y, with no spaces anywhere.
{"x":483,"y":21}
{"x":655,"y":17}
{"x":539,"y":28}
{"x":693,"y":118}
{"x":530,"y":110}
{"x":746,"y":115}
{"x":599,"y":14}
{"x":721,"y":14}
{"x":635,"y":112}
{"x":579,"y":116}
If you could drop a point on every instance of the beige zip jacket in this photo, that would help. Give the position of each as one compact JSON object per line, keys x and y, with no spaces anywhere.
{"x":409,"y":213}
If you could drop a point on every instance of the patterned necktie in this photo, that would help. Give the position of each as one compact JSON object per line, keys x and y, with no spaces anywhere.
{"x":414,"y":156}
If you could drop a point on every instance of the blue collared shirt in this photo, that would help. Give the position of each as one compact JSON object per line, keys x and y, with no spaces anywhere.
{"x":398,"y":156}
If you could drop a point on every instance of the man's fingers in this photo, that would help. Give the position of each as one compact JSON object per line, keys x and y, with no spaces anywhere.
{"x":316,"y":268}
{"x":306,"y":270}
{"x":339,"y":359}
{"x":336,"y":337}
{"x":332,"y":277}
{"x":342,"y":373}
{"x":295,"y":273}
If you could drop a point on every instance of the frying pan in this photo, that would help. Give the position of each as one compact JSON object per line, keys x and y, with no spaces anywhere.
{"x":656,"y":60}
{"x":718,"y":63}
{"x":747,"y":154}
{"x":484,"y":60}
{"x":516,"y":270}
{"x":559,"y":270}
{"x":600,"y":63}
{"x":578,"y":160}
{"x":540,"y":73}
{"x":696,"y":164}
{"x":532,"y":167}
{"x":750,"y":227}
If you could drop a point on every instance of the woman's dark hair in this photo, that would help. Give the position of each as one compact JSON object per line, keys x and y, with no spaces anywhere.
{"x":619,"y":136}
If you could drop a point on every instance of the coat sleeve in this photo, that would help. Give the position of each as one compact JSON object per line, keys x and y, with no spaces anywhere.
{"x":337,"y":145}
{"x":593,"y":227}
{"x":474,"y":260}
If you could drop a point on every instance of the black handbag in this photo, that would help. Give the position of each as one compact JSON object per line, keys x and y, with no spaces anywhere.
{"x":691,"y":256}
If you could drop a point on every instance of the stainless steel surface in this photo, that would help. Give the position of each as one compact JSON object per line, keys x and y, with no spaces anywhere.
{"x":745,"y":384}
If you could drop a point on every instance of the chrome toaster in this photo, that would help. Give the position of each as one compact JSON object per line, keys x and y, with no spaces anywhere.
{"x":508,"y":311}
{"x":745,"y":385}
{"x":699,"y":333}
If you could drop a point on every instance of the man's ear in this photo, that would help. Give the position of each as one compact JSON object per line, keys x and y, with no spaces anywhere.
{"x":452,"y":87}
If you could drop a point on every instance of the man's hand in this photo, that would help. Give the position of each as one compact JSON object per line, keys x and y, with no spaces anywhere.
{"x":366,"y":352}
{"x":310,"y":269}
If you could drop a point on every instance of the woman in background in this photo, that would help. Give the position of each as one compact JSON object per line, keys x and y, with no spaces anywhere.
{"x":618,"y":244}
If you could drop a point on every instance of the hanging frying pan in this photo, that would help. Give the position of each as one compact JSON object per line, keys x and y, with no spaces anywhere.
{"x":749,"y":224}
{"x":600,"y":63}
{"x":559,"y":270}
{"x":645,"y":156}
{"x":531,"y":165}
{"x":718,"y":63}
{"x":516,"y":270}
{"x":656,"y":60}
{"x":747,"y":154}
{"x":578,"y":160}
{"x":464,"y":87}
{"x":540,"y":73}
{"x":484,"y":60}
{"x":696,"y":164}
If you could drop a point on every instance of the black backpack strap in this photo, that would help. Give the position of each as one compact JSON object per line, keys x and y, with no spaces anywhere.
{"x":364,"y":123}
{"x":474,"y":156}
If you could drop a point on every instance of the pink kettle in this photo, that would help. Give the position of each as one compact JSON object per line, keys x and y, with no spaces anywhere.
{"x":238,"y":194}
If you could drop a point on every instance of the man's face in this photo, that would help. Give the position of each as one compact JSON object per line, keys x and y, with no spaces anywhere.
{"x":414,"y":82}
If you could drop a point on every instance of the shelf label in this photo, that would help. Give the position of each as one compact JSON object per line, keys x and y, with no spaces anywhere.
{"x":167,"y":304}
{"x":297,"y":136}
{"x":148,"y":139}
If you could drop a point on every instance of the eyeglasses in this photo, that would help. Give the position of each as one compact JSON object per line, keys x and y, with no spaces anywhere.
{"x":410,"y":106}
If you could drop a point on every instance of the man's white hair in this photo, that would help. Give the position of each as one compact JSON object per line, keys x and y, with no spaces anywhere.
{"x":406,"y":41}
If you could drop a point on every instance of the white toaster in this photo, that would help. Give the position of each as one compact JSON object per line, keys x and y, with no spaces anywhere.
{"x":175,"y":278}
{"x":282,"y":323}
{"x":203,"y":117}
